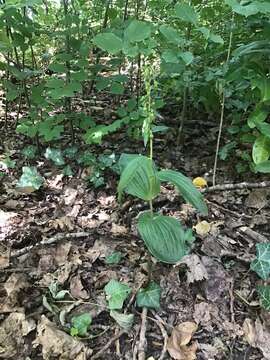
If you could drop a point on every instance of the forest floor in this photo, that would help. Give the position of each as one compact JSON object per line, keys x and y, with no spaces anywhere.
{"x":65,"y":231}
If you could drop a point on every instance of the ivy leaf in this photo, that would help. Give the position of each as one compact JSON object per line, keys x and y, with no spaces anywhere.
{"x":30,"y":180}
{"x":261,"y":265}
{"x":80,"y":324}
{"x":264,"y":293}
{"x":55,"y":155}
{"x":114,"y":258}
{"x":116,"y":294}
{"x":149,"y":297}
{"x":123,"y":320}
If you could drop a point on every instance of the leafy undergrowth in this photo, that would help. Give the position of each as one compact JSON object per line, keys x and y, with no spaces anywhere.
{"x":76,"y":293}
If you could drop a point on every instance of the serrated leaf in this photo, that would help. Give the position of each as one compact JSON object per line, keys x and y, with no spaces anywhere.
{"x":116,"y":293}
{"x":139,"y":178}
{"x":30,"y":180}
{"x":185,"y":187}
{"x":80,"y":324}
{"x":163,"y":236}
{"x":125,"y":321}
{"x":114,"y":258}
{"x":264,"y":293}
{"x":55,"y":155}
{"x":137,"y":31}
{"x":149,"y":297}
{"x":186,"y":12}
{"x":261,"y":265}
{"x":108,"y":42}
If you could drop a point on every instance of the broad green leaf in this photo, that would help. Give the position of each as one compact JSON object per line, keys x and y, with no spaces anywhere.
{"x":186,"y":12}
{"x":117,"y":89}
{"x":116,"y":293}
{"x":125,"y":159}
{"x":125,"y":321}
{"x":80,"y":324}
{"x":170,"y":56}
{"x":187,"y":57}
{"x":163,"y":236}
{"x":49,"y":130}
{"x":185,"y":187}
{"x":55,"y":155}
{"x":139,"y":178}
{"x":114,"y":258}
{"x":264,"y":293}
{"x":263,"y":167}
{"x":30,"y":180}
{"x":108,"y":42}
{"x":257,"y":117}
{"x":171,"y":35}
{"x":30,"y":152}
{"x":137,"y":31}
{"x":263,"y":84}
{"x":261,"y":149}
{"x":251,"y":8}
{"x":59,"y":68}
{"x":261,"y":265}
{"x":149,"y":297}
{"x":264,"y":129}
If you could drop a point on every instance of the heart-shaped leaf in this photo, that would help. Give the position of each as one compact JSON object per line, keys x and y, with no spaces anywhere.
{"x":30,"y":180}
{"x":116,"y":294}
{"x":149,"y":297}
{"x":261,"y":265}
{"x":80,"y":324}
{"x":264,"y":293}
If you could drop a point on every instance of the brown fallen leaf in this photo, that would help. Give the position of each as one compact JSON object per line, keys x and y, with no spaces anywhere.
{"x":179,"y":339}
{"x":257,"y":336}
{"x":196,"y":269}
{"x":118,"y":229}
{"x":4,"y":256}
{"x":57,"y":344}
{"x":12,"y":331}
{"x":63,"y":223}
{"x":61,"y":253}
{"x":70,"y":195}
{"x":76,"y":288}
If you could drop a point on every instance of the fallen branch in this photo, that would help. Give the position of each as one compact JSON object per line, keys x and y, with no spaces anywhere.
{"x":49,"y":241}
{"x":142,"y":341}
{"x":239,"y":186}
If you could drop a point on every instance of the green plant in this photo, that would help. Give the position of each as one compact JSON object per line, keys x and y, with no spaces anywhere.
{"x":163,"y":235}
{"x":261,"y":265}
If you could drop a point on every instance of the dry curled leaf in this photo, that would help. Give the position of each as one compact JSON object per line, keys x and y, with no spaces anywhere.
{"x":257,"y":336}
{"x":57,"y":344}
{"x":202,"y":228}
{"x":178,"y":342}
{"x":196,"y":270}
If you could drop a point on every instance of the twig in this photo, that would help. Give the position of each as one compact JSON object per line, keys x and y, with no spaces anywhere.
{"x":49,"y":241}
{"x":231,"y":212}
{"x":258,"y":238}
{"x":159,"y":323}
{"x":142,"y":341}
{"x":109,"y":343}
{"x":239,"y":186}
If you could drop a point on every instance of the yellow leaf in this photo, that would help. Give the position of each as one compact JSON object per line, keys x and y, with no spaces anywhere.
{"x":199,"y":182}
{"x":203,"y":228}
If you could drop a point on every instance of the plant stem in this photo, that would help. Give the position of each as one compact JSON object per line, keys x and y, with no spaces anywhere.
{"x":222,"y":106}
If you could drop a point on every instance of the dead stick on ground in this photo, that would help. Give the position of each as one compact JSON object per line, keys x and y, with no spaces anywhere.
{"x":50,"y":241}
{"x":100,"y":353}
{"x":142,"y":341}
{"x":159,"y":323}
{"x":239,"y":186}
